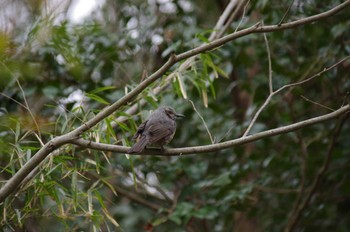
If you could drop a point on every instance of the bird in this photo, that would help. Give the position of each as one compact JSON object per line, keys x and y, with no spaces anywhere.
{"x":158,"y":129}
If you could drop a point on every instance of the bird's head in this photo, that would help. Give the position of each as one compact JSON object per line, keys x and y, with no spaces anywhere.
{"x":170,"y":112}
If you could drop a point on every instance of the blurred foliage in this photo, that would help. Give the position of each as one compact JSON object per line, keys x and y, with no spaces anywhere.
{"x":56,"y":74}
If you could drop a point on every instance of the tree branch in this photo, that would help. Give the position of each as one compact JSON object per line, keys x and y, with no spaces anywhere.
{"x":271,"y":94}
{"x":219,"y":146}
{"x":257,"y":28}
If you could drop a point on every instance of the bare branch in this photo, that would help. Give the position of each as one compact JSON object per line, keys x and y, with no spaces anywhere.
{"x":251,"y":124}
{"x":219,"y":146}
{"x":256,"y":115}
{"x":286,"y":13}
{"x":312,"y":77}
{"x":316,"y":103}
{"x":270,"y":63}
{"x":271,"y":93}
{"x":243,"y":4}
{"x":222,"y":19}
{"x":205,"y":124}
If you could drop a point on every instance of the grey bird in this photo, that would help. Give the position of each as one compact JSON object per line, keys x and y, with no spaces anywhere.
{"x":158,"y":129}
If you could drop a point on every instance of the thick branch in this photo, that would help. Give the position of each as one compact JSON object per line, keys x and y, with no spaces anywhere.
{"x":218,"y":146}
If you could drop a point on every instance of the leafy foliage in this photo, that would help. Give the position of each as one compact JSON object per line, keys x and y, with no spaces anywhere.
{"x":55,"y":76}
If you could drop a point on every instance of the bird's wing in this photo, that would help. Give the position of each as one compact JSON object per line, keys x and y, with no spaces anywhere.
{"x":158,"y":132}
{"x":140,"y":130}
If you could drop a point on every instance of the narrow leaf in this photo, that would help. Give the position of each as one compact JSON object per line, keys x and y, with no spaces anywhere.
{"x":97,"y":98}
{"x":98,"y":90}
{"x":205,"y":98}
{"x":182,"y":86}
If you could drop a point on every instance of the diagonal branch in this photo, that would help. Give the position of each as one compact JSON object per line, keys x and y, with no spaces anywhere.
{"x":258,"y":28}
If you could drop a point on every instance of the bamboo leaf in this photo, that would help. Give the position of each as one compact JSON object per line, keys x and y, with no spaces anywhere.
{"x":181,"y":85}
{"x":203,"y":38}
{"x":74,"y":190}
{"x":97,"y":98}
{"x":98,"y":90}
{"x":205,"y":98}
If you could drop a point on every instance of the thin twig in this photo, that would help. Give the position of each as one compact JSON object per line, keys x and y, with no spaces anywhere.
{"x":345,"y":97}
{"x":14,"y":100}
{"x":224,"y":17}
{"x":256,"y":115}
{"x":271,"y":93}
{"x":316,"y":103}
{"x":234,"y":15}
{"x":285,"y":13}
{"x":158,"y":188}
{"x":26,"y":106}
{"x":288,"y":86}
{"x":314,"y":76}
{"x":126,"y":193}
{"x":270,"y":63}
{"x":204,"y":123}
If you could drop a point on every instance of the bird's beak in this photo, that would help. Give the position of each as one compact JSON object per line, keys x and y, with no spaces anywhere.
{"x":179,"y":115}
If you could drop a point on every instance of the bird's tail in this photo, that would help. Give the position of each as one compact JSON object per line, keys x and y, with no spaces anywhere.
{"x":139,"y":146}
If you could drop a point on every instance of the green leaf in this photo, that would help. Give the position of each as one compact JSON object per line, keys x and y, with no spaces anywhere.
{"x":207,"y":212}
{"x":99,"y":198}
{"x":74,"y":190}
{"x":161,"y":220}
{"x":171,"y":48}
{"x":175,"y":218}
{"x":151,"y":100}
{"x":123,"y":126}
{"x":202,"y":38}
{"x":181,"y":85}
{"x":205,"y":97}
{"x":220,"y":71}
{"x":98,"y":90}
{"x":110,"y":129}
{"x":51,"y":91}
{"x":97,"y":98}
{"x":223,"y":179}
